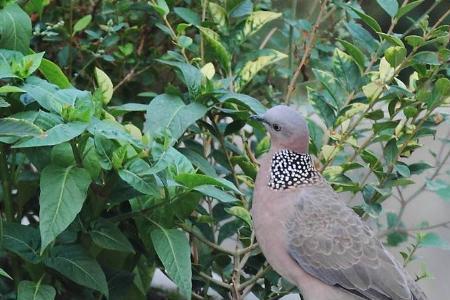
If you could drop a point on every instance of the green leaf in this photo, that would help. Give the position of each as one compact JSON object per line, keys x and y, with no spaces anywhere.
{"x":161,"y":8}
{"x":30,"y":63}
{"x":254,"y":22}
{"x":4,"y":274}
{"x":418,"y":168}
{"x":188,"y":15}
{"x":362,"y":37}
{"x":392,"y":39}
{"x":72,"y":262}
{"x":63,"y":191}
{"x":137,"y":175}
{"x":22,"y":240}
{"x":354,"y":52}
{"x":322,"y":107}
{"x":407,"y":8}
{"x":18,"y":128}
{"x":54,"y":74}
{"x":246,"y":100}
{"x":389,"y":6}
{"x":191,"y":75}
{"x":10,"y":89}
{"x":391,"y":151}
{"x":218,"y":50}
{"x":242,"y":9}
{"x":433,"y":240}
{"x":367,"y":19}
{"x":29,"y":290}
{"x":395,"y":55}
{"x":104,"y":85}
{"x":346,"y":70}
{"x":169,"y":112}
{"x":81,"y":24}
{"x":208,"y":70}
{"x":15,"y":28}
{"x":218,"y":15}
{"x":106,"y":235}
{"x":258,"y":60}
{"x":195,"y":180}
{"x":414,"y":40}
{"x":59,"y":134}
{"x":211,"y":191}
{"x":174,"y":251}
{"x":241,"y":213}
{"x":112,"y":130}
{"x":184,"y":41}
{"x":426,"y":57}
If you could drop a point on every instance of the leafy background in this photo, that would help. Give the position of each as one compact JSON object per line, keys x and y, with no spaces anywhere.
{"x":125,"y":144}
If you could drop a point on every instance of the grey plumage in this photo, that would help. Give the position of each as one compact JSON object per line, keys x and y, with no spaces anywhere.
{"x":309,"y":235}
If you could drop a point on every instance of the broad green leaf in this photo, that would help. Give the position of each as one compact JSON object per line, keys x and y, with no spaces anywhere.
{"x":208,"y":70}
{"x":63,"y":191}
{"x":54,"y":74}
{"x":184,"y":41}
{"x":395,"y":55}
{"x":418,"y":168}
{"x":243,"y":8}
{"x":391,"y":151}
{"x":254,"y":22}
{"x":4,"y":274}
{"x":3,"y":103}
{"x":367,"y":19}
{"x":195,"y":180}
{"x":191,"y":75}
{"x":188,"y":15}
{"x":258,"y":60}
{"x":414,"y":40}
{"x":392,"y":39}
{"x":18,"y":128}
{"x":29,"y":290}
{"x":218,"y":50}
{"x":173,"y":249}
{"x":136,"y":174}
{"x":241,"y":213}
{"x":433,"y":240}
{"x":354,"y":52}
{"x":199,"y":161}
{"x":81,"y":24}
{"x":75,"y":264}
{"x":22,"y":240}
{"x":331,"y":83}
{"x":244,"y":99}
{"x":11,"y":89}
{"x":104,"y":85}
{"x":389,"y":6}
{"x":212,"y":191}
{"x":161,"y":7}
{"x":323,"y":107}
{"x":407,"y":8}
{"x":49,"y":96}
{"x":128,"y":107}
{"x":346,"y":71}
{"x":362,"y":37}
{"x":218,"y":15}
{"x":59,"y":134}
{"x":106,"y":235}
{"x":168,"y":112}
{"x":112,"y":130}
{"x":30,"y":63}
{"x":15,"y":28}
{"x":427,"y":57}
{"x":373,"y":90}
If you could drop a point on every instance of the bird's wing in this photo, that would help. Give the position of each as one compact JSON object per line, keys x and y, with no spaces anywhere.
{"x":330,"y":242}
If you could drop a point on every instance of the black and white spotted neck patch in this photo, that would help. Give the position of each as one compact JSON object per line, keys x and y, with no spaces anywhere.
{"x":290,"y":169}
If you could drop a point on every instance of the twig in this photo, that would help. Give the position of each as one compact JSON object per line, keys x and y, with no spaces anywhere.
{"x":6,"y":184}
{"x":248,"y":285}
{"x":412,"y":27}
{"x":207,"y":242}
{"x":130,"y":76}
{"x":308,"y":49}
{"x":268,"y":37}
{"x":215,"y":281}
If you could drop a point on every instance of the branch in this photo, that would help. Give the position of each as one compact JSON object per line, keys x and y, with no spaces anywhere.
{"x":308,"y":49}
{"x":215,"y":281}
{"x":248,"y":285}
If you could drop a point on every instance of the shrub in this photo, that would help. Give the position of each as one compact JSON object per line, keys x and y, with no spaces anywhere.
{"x":126,"y":149}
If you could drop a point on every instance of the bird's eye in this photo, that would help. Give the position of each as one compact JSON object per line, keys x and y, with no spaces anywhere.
{"x":276,"y":127}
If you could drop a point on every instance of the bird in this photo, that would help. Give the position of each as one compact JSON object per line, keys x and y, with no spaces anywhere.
{"x":308,"y":234}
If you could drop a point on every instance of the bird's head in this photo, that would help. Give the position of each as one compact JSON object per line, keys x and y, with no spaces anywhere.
{"x":287,"y":128}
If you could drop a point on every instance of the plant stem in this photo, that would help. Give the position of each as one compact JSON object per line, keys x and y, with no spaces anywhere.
{"x":6,"y":184}
{"x":308,"y":49}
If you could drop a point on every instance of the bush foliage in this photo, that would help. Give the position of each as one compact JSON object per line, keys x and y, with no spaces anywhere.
{"x":124,"y":145}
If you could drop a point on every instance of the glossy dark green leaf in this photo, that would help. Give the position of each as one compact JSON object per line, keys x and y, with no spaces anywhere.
{"x":390,"y":151}
{"x":15,"y":28}
{"x":395,"y":55}
{"x":371,"y":22}
{"x":212,"y":191}
{"x":75,"y":264}
{"x":18,"y":128}
{"x":195,"y":180}
{"x":354,"y":52}
{"x":22,"y":240}
{"x":108,"y":236}
{"x":29,"y":290}
{"x":407,"y":8}
{"x":191,"y":75}
{"x":136,"y":175}
{"x":188,"y":15}
{"x":172,"y":247}
{"x":219,"y":51}
{"x":246,"y":100}
{"x":389,"y":6}
{"x":63,"y":191}
{"x":427,"y":57}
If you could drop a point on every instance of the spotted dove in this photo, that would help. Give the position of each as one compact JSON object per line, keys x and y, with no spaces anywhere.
{"x":308,"y":235}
